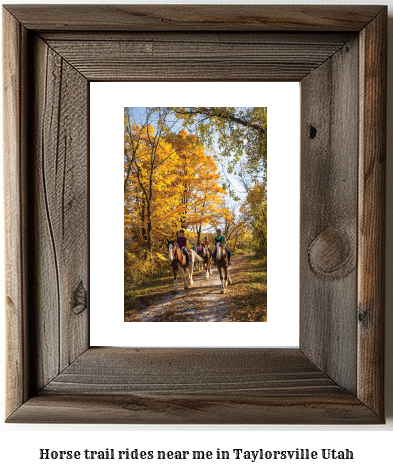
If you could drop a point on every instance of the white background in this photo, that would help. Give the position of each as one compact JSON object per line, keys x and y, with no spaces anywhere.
{"x":107,"y":102}
{"x":19,"y":444}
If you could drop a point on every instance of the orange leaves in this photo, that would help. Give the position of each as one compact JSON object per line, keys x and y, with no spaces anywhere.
{"x":202,"y":194}
{"x":254,"y":211}
{"x":249,"y":293}
{"x":171,"y":182}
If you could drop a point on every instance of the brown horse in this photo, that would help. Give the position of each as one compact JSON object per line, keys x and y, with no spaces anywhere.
{"x":207,"y":258}
{"x":178,"y":260}
{"x":221,"y":260}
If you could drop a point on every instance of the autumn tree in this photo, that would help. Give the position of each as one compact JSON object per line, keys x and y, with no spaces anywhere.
{"x":254,"y":212}
{"x":171,"y":176}
{"x":202,"y":195}
{"x":169,"y":181}
{"x":147,"y":157}
{"x":232,"y":220}
{"x":236,"y":131}
{"x":239,"y":134}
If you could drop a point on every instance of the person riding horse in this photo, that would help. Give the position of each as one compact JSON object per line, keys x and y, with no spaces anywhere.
{"x":221,"y":238}
{"x":206,"y":243}
{"x":182,"y":243}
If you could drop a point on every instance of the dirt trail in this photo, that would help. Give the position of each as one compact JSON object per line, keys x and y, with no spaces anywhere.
{"x":202,"y":302}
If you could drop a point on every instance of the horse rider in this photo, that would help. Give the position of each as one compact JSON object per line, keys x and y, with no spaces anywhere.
{"x":206,"y":243}
{"x":182,"y":243}
{"x":221,"y":238}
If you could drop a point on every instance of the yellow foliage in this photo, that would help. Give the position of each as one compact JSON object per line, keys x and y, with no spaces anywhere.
{"x":170,"y":184}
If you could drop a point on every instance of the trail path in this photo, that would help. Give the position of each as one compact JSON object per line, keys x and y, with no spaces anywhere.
{"x":202,"y":302}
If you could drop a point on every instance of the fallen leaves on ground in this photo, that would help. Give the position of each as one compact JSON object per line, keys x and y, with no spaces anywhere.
{"x":245,"y":300}
{"x":249,"y":291}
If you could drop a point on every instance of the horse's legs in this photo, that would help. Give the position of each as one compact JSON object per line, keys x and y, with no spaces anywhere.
{"x":228,"y":277}
{"x":192,"y":262}
{"x":175,"y":281}
{"x":221,"y":279}
{"x":184,"y":278}
{"x":206,"y":268}
{"x":225,"y":276}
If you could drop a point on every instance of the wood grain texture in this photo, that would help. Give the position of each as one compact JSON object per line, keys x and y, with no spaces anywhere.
{"x":190,"y":60}
{"x":193,"y":386}
{"x":14,"y":74}
{"x":329,"y":169}
{"x":194,"y":409}
{"x":60,"y":177}
{"x":371,"y":260}
{"x":195,"y":17}
{"x":200,"y":37}
{"x":52,"y":374}
{"x":183,"y":371}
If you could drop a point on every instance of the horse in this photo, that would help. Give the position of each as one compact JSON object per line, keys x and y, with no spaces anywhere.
{"x":198,"y":265}
{"x":207,"y":261}
{"x":221,"y":260}
{"x":197,"y":260}
{"x":178,"y":260}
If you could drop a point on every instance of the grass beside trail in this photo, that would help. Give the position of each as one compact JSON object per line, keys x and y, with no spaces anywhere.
{"x":150,"y":287}
{"x":250,"y":293}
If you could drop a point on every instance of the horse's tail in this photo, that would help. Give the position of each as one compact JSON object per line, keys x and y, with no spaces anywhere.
{"x":197,"y":257}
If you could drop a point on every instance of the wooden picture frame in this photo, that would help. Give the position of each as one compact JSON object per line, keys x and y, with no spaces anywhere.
{"x":338,"y":54}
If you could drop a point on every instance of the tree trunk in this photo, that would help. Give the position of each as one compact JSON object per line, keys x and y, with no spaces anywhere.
{"x":199,"y":231}
{"x":262,"y":244}
{"x":234,"y":245}
{"x":144,"y":235}
{"x":149,"y":232}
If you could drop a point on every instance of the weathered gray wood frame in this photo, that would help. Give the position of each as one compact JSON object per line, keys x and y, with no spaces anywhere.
{"x":51,"y":53}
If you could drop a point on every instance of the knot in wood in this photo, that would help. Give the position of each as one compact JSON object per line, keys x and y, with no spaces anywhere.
{"x":80,"y":299}
{"x":330,"y":254}
{"x":313,"y":132}
{"x":363,"y":315}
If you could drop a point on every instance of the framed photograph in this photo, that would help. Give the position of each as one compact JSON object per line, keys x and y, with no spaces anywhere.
{"x":52,"y":54}
{"x":150,"y":298}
